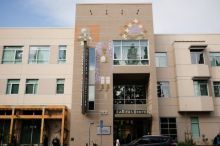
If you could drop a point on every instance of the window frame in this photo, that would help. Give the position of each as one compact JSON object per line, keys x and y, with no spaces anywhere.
{"x":165,"y":84}
{"x":198,"y":85}
{"x":91,"y":83}
{"x":196,"y":124}
{"x":212,"y":57}
{"x":10,"y":85}
{"x":15,"y":49}
{"x":34,"y":88}
{"x":159,"y":57}
{"x":168,"y":126}
{"x":132,"y":99}
{"x":36,"y":60}
{"x":124,"y":62}
{"x":60,"y":81}
{"x":62,"y":48}
{"x":218,"y":86}
{"x":195,"y":53}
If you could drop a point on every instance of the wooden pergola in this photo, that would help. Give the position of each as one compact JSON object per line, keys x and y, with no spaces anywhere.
{"x":58,"y":112}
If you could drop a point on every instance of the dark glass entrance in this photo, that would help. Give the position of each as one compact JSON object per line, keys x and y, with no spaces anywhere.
{"x":128,"y":129}
{"x":4,"y":131}
{"x":30,"y":133}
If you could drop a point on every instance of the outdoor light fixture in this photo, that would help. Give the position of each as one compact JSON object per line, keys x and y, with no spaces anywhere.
{"x":84,"y":36}
{"x":103,"y":58}
{"x":107,"y":82}
{"x":102,"y":82}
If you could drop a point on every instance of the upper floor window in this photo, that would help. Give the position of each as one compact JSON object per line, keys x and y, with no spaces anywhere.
{"x":129,"y":94}
{"x":12,"y":55}
{"x":163,"y":89}
{"x":215,"y":58}
{"x":31,"y":86}
{"x":92,"y":66}
{"x":197,"y":56}
{"x":62,"y":54}
{"x":12,"y":86}
{"x":216,"y":85}
{"x":161,"y":59}
{"x":60,"y":86}
{"x":39,"y":54}
{"x":201,"y":87}
{"x":130,"y":52}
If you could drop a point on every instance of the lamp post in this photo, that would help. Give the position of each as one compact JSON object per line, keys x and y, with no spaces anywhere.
{"x":91,"y":123}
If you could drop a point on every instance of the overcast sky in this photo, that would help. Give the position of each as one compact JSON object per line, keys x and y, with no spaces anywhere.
{"x":170,"y":16}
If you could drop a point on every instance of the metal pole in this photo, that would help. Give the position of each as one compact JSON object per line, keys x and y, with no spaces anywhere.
{"x":101,"y":136}
{"x":90,"y":132}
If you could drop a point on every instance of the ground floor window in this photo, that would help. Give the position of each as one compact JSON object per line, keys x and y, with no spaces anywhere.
{"x":195,"y":127}
{"x":168,"y":127}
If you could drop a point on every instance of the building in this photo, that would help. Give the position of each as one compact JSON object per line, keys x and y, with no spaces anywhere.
{"x":117,"y":80}
{"x":35,"y":83}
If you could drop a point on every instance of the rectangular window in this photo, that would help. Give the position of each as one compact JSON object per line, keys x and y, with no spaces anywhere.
{"x":216,"y":85}
{"x":201,"y":87}
{"x":215,"y":58}
{"x":163,"y":89}
{"x":39,"y":55}
{"x":161,"y":59}
{"x":62,"y":54}
{"x":92,"y":66}
{"x":197,"y":56}
{"x":12,"y":55}
{"x":130,"y":52}
{"x":129,"y":94}
{"x":13,"y":86}
{"x":60,"y":86}
{"x":168,"y":127}
{"x":31,"y":86}
{"x":195,"y":127}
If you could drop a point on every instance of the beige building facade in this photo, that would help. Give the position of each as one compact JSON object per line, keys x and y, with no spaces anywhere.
{"x":109,"y":78}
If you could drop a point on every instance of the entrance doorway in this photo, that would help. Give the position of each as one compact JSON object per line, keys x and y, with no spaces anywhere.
{"x":128,"y":129}
{"x":30,"y":133}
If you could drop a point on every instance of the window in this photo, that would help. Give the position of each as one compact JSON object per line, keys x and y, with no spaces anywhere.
{"x":62,"y":54}
{"x":39,"y":55}
{"x":163,"y":89}
{"x":168,"y":127}
{"x":12,"y":55}
{"x":201,"y":87}
{"x":130,"y":52}
{"x":129,"y":94}
{"x":31,"y":86}
{"x":92,"y":65}
{"x":215,"y":58}
{"x":161,"y":59}
{"x":60,"y":86}
{"x":216,"y":86}
{"x":195,"y":127}
{"x":12,"y":86}
{"x":197,"y":56}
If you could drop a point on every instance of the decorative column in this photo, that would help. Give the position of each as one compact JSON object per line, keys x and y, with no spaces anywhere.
{"x":84,"y":38}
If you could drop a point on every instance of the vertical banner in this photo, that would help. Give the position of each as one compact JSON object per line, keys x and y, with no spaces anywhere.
{"x":85,"y":81}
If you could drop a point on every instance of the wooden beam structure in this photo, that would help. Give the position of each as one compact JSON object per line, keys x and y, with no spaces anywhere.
{"x":42,"y":127}
{"x":62,"y":127}
{"x":33,"y":112}
{"x":11,"y":125}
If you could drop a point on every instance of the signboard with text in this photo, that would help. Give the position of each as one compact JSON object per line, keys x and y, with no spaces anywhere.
{"x":105,"y":130}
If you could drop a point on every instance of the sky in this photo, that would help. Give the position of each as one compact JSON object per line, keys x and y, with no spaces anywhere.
{"x":170,"y":16}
